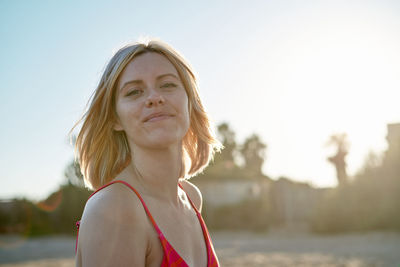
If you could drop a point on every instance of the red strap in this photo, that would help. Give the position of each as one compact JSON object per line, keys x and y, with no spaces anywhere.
{"x":141,"y":200}
{"x":78,"y":223}
{"x":206,"y":235}
{"x":191,"y":203}
{"x":138,"y":195}
{"x":161,"y":236}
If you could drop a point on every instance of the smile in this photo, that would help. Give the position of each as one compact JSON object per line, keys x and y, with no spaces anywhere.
{"x":159,"y":118}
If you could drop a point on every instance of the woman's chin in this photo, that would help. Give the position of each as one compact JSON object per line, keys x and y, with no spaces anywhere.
{"x":159,"y":137}
{"x":162,"y":141}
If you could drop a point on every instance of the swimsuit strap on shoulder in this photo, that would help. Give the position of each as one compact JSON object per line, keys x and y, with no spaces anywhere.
{"x":137,"y":194}
{"x":140,"y":198}
{"x":191,"y":203}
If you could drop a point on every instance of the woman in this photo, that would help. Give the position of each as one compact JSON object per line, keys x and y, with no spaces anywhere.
{"x":144,"y":133}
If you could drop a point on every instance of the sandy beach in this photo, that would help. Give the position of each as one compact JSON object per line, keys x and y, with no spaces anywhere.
{"x":235,"y":249}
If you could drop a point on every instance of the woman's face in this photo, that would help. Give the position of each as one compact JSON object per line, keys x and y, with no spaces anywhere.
{"x":151,"y":102}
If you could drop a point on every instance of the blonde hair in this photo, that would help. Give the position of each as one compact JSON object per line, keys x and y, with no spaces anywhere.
{"x":103,"y":152}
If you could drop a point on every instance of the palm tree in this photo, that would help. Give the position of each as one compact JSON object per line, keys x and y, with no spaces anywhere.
{"x":253,"y":152}
{"x":338,"y":160}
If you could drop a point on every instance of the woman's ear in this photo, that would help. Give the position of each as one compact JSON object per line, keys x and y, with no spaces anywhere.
{"x":117,"y":126}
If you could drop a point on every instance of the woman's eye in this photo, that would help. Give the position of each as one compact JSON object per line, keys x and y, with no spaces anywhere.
{"x":168,"y":85}
{"x":134,"y":92}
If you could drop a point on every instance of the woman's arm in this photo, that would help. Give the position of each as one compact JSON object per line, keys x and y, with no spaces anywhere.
{"x":113,"y":230}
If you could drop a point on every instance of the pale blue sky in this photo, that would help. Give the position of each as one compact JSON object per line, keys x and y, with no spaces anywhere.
{"x":276,"y":68}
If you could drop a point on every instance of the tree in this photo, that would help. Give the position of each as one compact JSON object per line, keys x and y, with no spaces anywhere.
{"x":338,"y":160}
{"x":253,"y":152}
{"x":73,"y":174}
{"x":227,"y":138}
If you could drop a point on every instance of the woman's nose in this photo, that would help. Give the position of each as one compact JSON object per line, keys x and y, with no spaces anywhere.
{"x":154,"y":99}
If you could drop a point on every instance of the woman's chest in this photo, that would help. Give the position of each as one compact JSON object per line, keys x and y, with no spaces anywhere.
{"x":182,"y":235}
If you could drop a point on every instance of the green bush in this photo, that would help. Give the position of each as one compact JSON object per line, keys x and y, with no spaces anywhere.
{"x":250,"y":215}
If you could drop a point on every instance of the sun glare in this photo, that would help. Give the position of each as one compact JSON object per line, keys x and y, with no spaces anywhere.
{"x":340,"y":78}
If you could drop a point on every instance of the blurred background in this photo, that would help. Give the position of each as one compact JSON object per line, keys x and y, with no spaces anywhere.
{"x":304,"y":96}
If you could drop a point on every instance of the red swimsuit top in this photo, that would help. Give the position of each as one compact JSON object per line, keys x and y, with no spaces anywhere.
{"x":171,"y":257}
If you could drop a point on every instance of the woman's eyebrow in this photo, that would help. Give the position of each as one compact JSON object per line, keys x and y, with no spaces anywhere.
{"x":131,"y":82}
{"x":166,"y":75}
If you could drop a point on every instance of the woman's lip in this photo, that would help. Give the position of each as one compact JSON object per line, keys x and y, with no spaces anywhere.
{"x":158,"y":118}
{"x":154,"y":115}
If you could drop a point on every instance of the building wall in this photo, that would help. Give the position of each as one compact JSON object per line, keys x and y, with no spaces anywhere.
{"x":229,"y":192}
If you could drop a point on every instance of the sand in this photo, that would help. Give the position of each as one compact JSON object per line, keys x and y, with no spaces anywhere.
{"x":235,"y":249}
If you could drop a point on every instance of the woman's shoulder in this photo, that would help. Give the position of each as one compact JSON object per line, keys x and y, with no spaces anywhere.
{"x":193,"y":192}
{"x":116,"y":199}
{"x":113,"y":216}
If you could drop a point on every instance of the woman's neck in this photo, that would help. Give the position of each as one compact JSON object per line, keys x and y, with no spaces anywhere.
{"x":156,"y":171}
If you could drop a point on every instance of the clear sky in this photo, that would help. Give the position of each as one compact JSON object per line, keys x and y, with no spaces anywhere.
{"x":293,"y":72}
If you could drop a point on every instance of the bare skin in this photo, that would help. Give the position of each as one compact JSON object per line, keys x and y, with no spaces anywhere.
{"x":115,"y":230}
